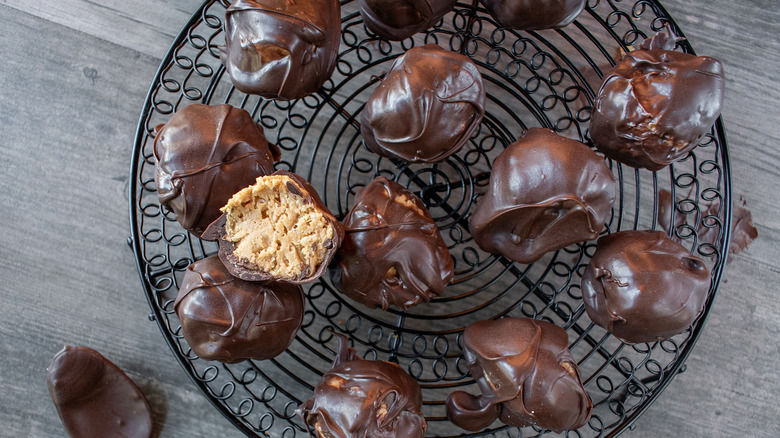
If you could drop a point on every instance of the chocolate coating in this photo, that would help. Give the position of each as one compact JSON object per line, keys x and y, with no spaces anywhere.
{"x":204,"y":155}
{"x":526,"y":374}
{"x":654,"y":106}
{"x":94,"y":398}
{"x":393,"y":253}
{"x":397,"y":20}
{"x":545,"y":192}
{"x":643,"y":287}
{"x":365,"y":399}
{"x":248,"y":271}
{"x":743,"y":232}
{"x":426,"y":108}
{"x":282,"y":49}
{"x":534,"y":14}
{"x":227,"y":319}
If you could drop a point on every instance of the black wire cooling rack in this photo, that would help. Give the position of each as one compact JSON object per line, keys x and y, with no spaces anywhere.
{"x":545,"y":78}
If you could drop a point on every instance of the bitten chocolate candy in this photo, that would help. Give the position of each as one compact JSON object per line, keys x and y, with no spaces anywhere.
{"x":545,"y":192}
{"x":397,"y":20}
{"x":426,"y":108}
{"x":281,"y":48}
{"x":227,"y":319}
{"x":204,"y":155}
{"x":276,"y":229}
{"x":526,"y":374}
{"x":95,"y":398}
{"x":534,"y":14}
{"x":365,"y":399}
{"x":392,"y":252}
{"x":643,"y":287}
{"x":654,"y":106}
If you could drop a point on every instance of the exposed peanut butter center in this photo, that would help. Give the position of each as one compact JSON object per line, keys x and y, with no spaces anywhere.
{"x":277,"y":230}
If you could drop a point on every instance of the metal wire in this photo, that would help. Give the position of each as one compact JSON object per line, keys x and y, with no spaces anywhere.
{"x":544,"y":78}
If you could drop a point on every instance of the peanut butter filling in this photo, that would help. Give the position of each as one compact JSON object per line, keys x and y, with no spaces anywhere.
{"x":277,"y":229}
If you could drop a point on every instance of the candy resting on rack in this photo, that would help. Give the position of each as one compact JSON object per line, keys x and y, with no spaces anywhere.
{"x":426,"y":107}
{"x":526,"y":374}
{"x":641,"y":286}
{"x":393,"y":253}
{"x":227,"y":319}
{"x":545,"y":192}
{"x":361,"y":398}
{"x":281,"y":49}
{"x":205,"y":154}
{"x":655,"y":105}
{"x":276,"y":229}
{"x":400,"y":19}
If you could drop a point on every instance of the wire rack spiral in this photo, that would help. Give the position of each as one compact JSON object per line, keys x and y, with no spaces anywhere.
{"x":545,"y":78}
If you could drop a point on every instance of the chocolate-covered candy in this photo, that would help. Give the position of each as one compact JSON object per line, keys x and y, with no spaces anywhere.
{"x":426,"y":108}
{"x":398,"y":20}
{"x":743,"y":232}
{"x":276,"y":229}
{"x":392,"y":253}
{"x":643,"y":287}
{"x":204,"y":155}
{"x":94,"y":398}
{"x":281,"y":48}
{"x":545,"y":192}
{"x":654,"y":106}
{"x":229,"y":320}
{"x":534,"y":14}
{"x":526,"y":374}
{"x":365,"y":399}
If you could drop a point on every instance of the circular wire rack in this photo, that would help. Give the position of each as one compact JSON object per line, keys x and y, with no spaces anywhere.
{"x":544,"y":78}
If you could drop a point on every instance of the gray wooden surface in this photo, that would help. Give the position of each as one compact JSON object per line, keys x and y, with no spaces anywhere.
{"x":73,"y":78}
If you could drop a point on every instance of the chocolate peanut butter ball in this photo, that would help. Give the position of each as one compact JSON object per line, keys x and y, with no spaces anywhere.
{"x":426,"y":108}
{"x":641,"y":286}
{"x":365,"y":399}
{"x":397,"y":20}
{"x":545,"y":192}
{"x":534,"y":14}
{"x":526,"y":374}
{"x":94,"y":398}
{"x":276,"y":229}
{"x":283,"y":49}
{"x":229,"y":320}
{"x":392,"y":253}
{"x":655,"y":105}
{"x":204,"y":155}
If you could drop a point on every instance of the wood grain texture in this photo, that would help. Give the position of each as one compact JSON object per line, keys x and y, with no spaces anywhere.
{"x":74,"y":78}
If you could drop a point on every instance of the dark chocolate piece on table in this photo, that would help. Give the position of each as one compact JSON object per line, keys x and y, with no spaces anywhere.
{"x":94,"y":398}
{"x":534,"y":14}
{"x":205,"y":154}
{"x":281,"y":49}
{"x":655,"y":104}
{"x":277,"y":229}
{"x":227,"y":319}
{"x":426,"y":108}
{"x":526,"y":374}
{"x":361,"y":398}
{"x":392,"y":253}
{"x":545,"y":192}
{"x":641,"y":286}
{"x":397,"y":20}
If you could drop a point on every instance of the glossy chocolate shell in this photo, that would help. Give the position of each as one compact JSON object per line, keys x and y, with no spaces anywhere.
{"x":204,"y":154}
{"x":545,"y":192}
{"x":392,"y":253}
{"x":641,"y":286}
